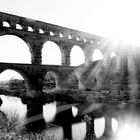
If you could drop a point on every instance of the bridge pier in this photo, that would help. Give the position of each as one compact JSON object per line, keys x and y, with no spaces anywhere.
{"x":34,"y":117}
{"x":36,"y":48}
{"x":65,"y":51}
{"x":66,"y":58}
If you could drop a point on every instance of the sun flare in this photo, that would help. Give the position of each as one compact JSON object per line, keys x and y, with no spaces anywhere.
{"x":128,"y":131}
{"x":118,"y":20}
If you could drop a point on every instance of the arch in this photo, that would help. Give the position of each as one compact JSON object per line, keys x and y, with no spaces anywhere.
{"x":61,"y":35}
{"x":51,"y":54}
{"x":85,"y":40}
{"x":77,"y":56}
{"x":8,"y":74}
{"x":5,"y":24}
{"x":69,"y":37}
{"x":97,"y":55}
{"x":51,"y":33}
{"x":41,"y":31}
{"x":91,"y":41}
{"x":18,"y":26}
{"x":15,"y":80}
{"x":13,"y":49}
{"x":77,"y":38}
{"x":113,"y":54}
{"x":50,"y":81}
{"x":73,"y":82}
{"x":30,"y":29}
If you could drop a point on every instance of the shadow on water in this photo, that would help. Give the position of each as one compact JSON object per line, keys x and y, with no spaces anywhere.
{"x":57,"y":121}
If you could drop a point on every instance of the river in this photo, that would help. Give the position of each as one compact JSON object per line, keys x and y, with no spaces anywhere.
{"x":128,"y":116}
{"x":13,"y":104}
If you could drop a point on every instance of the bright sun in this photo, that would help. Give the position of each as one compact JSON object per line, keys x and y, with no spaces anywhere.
{"x":118,"y":20}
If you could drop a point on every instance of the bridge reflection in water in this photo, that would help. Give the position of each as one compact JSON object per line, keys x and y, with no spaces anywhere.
{"x":92,"y":121}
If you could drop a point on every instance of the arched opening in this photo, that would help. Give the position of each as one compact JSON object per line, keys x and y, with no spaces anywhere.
{"x":49,"y":82}
{"x":69,"y":37}
{"x":77,"y":56}
{"x":6,"y":24}
{"x":97,"y":55}
{"x":51,"y":54}
{"x":13,"y":83}
{"x":14,"y":50}
{"x":85,"y":40}
{"x":18,"y":26}
{"x":73,"y":82}
{"x":61,"y":35}
{"x":113,"y":55}
{"x":91,"y":41}
{"x":30,"y":29}
{"x":52,"y":33}
{"x":77,"y":38}
{"x":41,"y":31}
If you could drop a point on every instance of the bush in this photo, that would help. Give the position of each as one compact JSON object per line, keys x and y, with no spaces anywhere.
{"x":15,"y":129}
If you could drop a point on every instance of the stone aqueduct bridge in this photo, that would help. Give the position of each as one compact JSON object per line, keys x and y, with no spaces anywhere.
{"x":35,"y":34}
{"x":81,"y":77}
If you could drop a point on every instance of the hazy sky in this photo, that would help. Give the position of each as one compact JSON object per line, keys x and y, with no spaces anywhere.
{"x":117,"y":19}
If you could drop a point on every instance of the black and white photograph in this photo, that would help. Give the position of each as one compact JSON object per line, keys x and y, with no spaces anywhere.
{"x":69,"y":70}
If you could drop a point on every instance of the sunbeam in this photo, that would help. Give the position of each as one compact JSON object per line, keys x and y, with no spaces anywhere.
{"x":117,"y":71}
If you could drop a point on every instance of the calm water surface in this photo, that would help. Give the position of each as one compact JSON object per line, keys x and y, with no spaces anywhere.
{"x":13,"y":104}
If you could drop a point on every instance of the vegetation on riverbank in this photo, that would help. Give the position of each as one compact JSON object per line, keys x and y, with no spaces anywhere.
{"x":14,"y":129}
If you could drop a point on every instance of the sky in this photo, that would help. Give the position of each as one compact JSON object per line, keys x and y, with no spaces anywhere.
{"x":115,"y":19}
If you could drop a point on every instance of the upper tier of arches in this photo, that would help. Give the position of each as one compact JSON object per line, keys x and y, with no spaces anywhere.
{"x":53,"y":48}
{"x":15,"y":49}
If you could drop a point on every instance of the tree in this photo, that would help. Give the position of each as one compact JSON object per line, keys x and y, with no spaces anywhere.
{"x":17,"y":85}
